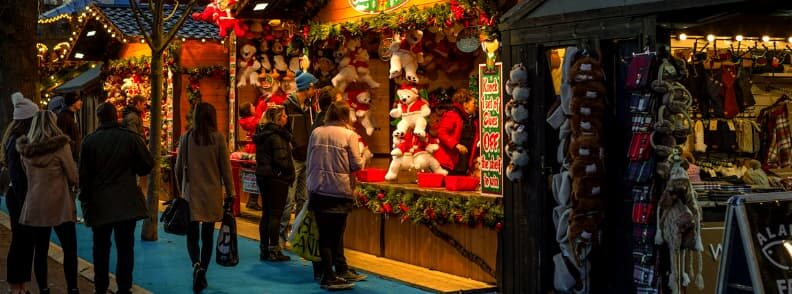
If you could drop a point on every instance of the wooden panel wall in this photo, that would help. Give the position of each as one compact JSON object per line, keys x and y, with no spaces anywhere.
{"x":341,"y":11}
{"x":213,"y":90}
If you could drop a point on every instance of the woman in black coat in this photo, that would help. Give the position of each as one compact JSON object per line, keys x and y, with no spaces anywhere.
{"x":274,"y":175}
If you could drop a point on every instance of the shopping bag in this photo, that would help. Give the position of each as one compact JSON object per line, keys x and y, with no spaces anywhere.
{"x":176,"y":218}
{"x":297,"y":222}
{"x":305,"y":241}
{"x":227,"y":249}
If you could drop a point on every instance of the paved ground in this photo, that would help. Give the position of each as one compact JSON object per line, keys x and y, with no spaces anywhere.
{"x":56,"y":281}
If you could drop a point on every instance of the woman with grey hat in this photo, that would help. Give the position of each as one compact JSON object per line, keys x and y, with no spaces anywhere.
{"x":21,"y":251}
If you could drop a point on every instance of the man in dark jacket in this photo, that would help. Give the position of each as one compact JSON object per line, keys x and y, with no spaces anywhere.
{"x":301,"y":116}
{"x":112,"y":202}
{"x":67,"y":122}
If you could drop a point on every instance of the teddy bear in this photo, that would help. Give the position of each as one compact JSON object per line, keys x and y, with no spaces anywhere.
{"x":407,"y":53}
{"x":346,"y":74}
{"x":248,"y":66}
{"x":401,"y":156}
{"x":361,"y":64}
{"x":517,"y":111}
{"x":359,"y":100}
{"x":521,"y":94}
{"x":324,"y":68}
{"x":263,"y":56}
{"x":518,"y":77}
{"x":295,"y":55}
{"x":423,"y":159}
{"x":365,"y":152}
{"x":517,"y":133}
{"x":519,"y":159}
{"x":277,"y":57}
{"x":412,"y":110}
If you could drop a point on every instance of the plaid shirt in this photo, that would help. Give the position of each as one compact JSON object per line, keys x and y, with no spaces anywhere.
{"x":641,"y":122}
{"x":779,"y":154}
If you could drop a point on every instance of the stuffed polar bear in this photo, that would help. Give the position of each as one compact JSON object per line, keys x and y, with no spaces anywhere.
{"x":407,"y":54}
{"x":248,"y":66}
{"x":359,"y":101}
{"x":414,"y":152}
{"x":412,"y":110}
{"x":354,"y":68}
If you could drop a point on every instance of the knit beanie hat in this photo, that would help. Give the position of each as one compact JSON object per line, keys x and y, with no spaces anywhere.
{"x":23,"y":107}
{"x":70,"y":99}
{"x":305,"y":80}
{"x":57,"y":104}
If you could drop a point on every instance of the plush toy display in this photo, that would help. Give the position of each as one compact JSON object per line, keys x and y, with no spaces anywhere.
{"x":412,"y":110}
{"x":518,"y":114}
{"x":277,"y":57}
{"x":407,"y":53}
{"x":219,"y":13}
{"x":517,"y":133}
{"x":359,"y":101}
{"x":263,"y":57}
{"x":412,"y":151}
{"x":361,"y":64}
{"x":248,"y":65}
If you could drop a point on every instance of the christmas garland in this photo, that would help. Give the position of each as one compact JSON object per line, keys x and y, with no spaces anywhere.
{"x":194,"y":75}
{"x":471,"y":12}
{"x":471,"y":211}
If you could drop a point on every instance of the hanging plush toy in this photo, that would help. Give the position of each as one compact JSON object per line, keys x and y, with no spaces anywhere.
{"x":248,"y":66}
{"x":219,"y":13}
{"x":412,"y":110}
{"x":359,"y":101}
{"x":278,"y":59}
{"x":407,"y":53}
{"x":361,"y":64}
{"x":264,"y":56}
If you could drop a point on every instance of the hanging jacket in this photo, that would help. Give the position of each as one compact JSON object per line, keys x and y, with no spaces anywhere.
{"x":273,"y":153}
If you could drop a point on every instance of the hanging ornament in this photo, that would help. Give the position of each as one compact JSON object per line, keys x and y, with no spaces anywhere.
{"x":457,"y":10}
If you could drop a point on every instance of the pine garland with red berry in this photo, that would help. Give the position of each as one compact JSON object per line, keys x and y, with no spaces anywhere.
{"x":434,"y":209}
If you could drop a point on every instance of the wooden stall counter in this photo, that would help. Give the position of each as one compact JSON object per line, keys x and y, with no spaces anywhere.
{"x":244,"y":181}
{"x":446,"y":231}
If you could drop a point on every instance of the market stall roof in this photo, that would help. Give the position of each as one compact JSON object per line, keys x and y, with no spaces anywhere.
{"x":280,"y":9}
{"x":123,"y":17}
{"x":66,"y":8}
{"x":557,"y":11}
{"x":83,"y":80}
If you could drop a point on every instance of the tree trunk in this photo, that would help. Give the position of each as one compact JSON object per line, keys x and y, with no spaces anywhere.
{"x":18,"y":62}
{"x":149,"y":232}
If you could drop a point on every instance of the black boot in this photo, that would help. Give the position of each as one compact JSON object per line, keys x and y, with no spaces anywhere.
{"x":44,"y":291}
{"x":199,"y":279}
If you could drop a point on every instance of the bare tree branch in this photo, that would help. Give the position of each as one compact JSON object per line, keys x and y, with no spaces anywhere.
{"x":172,"y":13}
{"x":139,"y":21}
{"x":175,"y":28}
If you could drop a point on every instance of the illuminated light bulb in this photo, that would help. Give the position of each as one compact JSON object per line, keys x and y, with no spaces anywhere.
{"x":222,"y":41}
{"x":203,"y":40}
{"x":789,"y":40}
{"x":124,"y":40}
{"x":682,"y":37}
{"x":739,"y":38}
{"x":113,"y":35}
{"x":142,"y":40}
{"x":184,"y":39}
{"x":710,"y":37}
{"x":74,"y":33}
{"x":765,"y":38}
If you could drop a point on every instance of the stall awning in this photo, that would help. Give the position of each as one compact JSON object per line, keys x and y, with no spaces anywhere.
{"x":82,"y":80}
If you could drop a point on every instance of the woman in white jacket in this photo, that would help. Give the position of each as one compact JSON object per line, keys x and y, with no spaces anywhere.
{"x":333,"y":155}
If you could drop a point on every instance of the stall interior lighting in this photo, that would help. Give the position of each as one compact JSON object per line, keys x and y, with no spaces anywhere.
{"x":79,"y":55}
{"x":710,"y":37}
{"x":90,"y":34}
{"x":260,"y":6}
{"x":682,"y":37}
{"x":765,"y":39}
{"x":739,"y":38}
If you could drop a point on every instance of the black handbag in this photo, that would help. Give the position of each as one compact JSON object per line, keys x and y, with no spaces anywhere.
{"x":176,"y":218}
{"x":227,"y":249}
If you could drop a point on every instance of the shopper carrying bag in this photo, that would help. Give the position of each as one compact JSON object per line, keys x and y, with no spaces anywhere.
{"x":227,"y":250}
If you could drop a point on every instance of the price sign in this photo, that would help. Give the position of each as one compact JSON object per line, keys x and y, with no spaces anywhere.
{"x":491,"y":120}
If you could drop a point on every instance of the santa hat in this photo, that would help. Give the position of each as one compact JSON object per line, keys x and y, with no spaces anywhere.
{"x":407,"y":89}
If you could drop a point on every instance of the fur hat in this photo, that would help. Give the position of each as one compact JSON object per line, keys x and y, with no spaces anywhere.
{"x":588,"y":107}
{"x":584,"y":125}
{"x":590,"y":90}
{"x":585,"y":166}
{"x":519,"y":111}
{"x":588,"y":146}
{"x":586,"y":69}
{"x":514,"y":172}
{"x":586,"y":187}
{"x":23,"y":107}
{"x":587,"y":204}
{"x":521,"y":93}
{"x":584,"y":231}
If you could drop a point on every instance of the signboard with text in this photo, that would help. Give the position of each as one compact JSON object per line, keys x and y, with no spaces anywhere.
{"x":490,"y":123}
{"x":376,"y":6}
{"x":758,"y":238}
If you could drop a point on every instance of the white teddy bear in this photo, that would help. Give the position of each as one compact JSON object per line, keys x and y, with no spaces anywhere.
{"x":414,"y":152}
{"x":359,"y":102}
{"x":248,"y":66}
{"x":407,"y":54}
{"x":412,"y":110}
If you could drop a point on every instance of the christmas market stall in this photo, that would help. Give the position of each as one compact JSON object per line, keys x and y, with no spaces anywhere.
{"x":400,"y":64}
{"x":645,"y":118}
{"x":195,"y":64}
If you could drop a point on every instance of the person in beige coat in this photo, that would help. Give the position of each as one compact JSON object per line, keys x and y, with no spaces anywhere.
{"x":204,"y":169}
{"x":50,"y":170}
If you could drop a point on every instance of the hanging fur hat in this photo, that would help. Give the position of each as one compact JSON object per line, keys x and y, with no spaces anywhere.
{"x":585,"y":125}
{"x":587,"y":146}
{"x":590,"y":90}
{"x":585,"y":166}
{"x":586,"y":69}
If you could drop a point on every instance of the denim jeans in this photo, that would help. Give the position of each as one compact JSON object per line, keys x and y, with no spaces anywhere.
{"x":296,"y":199}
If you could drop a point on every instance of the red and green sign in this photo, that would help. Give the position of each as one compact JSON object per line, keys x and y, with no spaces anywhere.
{"x":376,"y":6}
{"x":490,"y":97}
